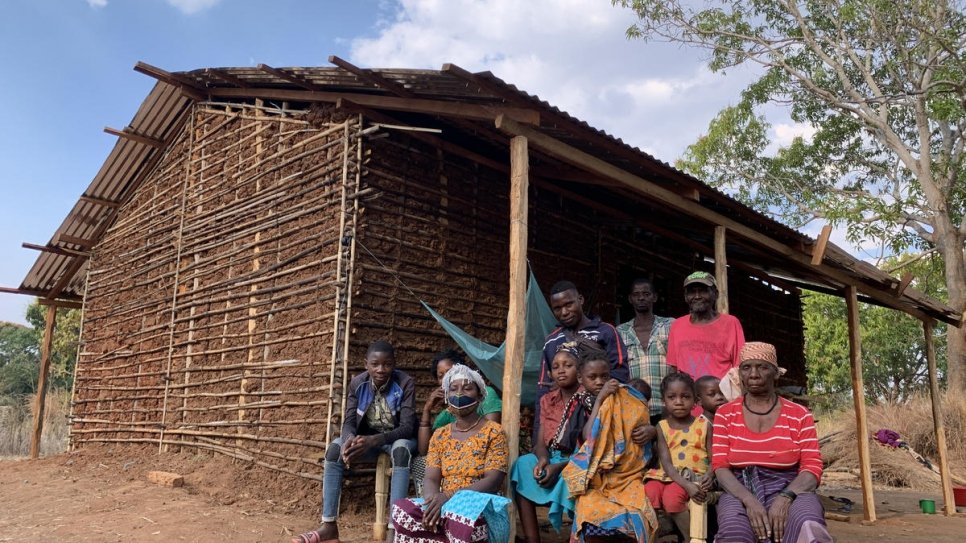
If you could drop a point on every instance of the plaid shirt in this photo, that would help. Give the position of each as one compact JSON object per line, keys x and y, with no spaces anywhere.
{"x":649,"y":363}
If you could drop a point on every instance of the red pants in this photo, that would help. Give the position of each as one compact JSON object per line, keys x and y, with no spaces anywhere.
{"x":670,"y":496}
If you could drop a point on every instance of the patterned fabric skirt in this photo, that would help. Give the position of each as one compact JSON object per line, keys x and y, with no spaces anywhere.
{"x":468,"y":517}
{"x":806,"y":517}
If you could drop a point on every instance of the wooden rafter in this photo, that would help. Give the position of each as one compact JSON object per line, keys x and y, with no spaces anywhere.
{"x":291,"y":78}
{"x":62,"y":251}
{"x":227,"y":77}
{"x":99,"y":201}
{"x":129,"y":134}
{"x":74,"y":240}
{"x":818,"y":251}
{"x":188,"y":87}
{"x":904,"y":283}
{"x":372,"y":78}
{"x":392,"y":103}
{"x":37,"y":293}
{"x":60,"y":303}
{"x":558,"y":120}
{"x":580,"y":159}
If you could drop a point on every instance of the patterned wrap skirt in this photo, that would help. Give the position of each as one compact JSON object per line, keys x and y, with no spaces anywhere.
{"x":467,"y":517}
{"x":806,"y":516}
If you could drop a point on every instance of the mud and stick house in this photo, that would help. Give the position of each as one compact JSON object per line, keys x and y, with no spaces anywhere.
{"x":254,"y":229}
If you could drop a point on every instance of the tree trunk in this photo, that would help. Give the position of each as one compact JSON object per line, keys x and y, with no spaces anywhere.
{"x":950,"y":245}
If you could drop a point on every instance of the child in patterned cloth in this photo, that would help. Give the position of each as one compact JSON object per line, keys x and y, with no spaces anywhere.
{"x":683,"y":445}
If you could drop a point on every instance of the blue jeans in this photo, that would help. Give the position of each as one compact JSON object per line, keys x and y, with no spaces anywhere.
{"x":400,"y":451}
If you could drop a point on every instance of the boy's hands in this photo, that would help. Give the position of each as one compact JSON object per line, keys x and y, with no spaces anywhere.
{"x":643,"y":434}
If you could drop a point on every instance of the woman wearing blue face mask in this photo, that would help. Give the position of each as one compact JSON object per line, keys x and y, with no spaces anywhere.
{"x":436,"y":415}
{"x":465,"y":468}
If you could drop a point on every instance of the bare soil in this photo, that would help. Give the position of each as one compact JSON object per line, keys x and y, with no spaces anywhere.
{"x":102,"y":495}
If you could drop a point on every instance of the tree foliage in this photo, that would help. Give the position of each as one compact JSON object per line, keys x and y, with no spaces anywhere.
{"x":882,"y":84}
{"x":19,"y":356}
{"x":893,"y":345}
{"x":20,"y":351}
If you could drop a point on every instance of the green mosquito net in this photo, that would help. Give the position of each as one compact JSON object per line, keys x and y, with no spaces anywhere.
{"x":491,"y":359}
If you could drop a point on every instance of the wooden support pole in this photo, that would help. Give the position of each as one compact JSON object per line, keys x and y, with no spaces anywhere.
{"x":937,"y":421}
{"x":858,"y":395}
{"x":517,"y":311}
{"x":40,"y":402}
{"x":818,"y":252}
{"x":721,"y":267}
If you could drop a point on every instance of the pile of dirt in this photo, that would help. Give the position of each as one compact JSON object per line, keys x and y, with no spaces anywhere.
{"x":898,"y":466}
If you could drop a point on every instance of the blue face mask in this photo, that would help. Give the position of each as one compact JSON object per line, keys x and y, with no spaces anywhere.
{"x":460,"y":402}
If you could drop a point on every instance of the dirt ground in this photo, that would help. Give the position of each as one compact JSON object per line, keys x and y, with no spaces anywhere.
{"x":103,"y":496}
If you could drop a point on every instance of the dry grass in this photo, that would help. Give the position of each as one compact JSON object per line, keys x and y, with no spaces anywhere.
{"x":16,"y":425}
{"x":913,"y":421}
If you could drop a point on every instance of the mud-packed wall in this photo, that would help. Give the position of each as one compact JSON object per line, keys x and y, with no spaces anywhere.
{"x":211,"y":302}
{"x":436,"y":225}
{"x":214,"y":317}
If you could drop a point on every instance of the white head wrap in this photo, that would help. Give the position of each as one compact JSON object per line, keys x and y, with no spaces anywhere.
{"x":459,"y":372}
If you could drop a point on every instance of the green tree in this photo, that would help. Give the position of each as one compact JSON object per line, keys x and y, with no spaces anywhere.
{"x":19,"y":359}
{"x":893,"y":345}
{"x":64,"y":345}
{"x":883,"y":83}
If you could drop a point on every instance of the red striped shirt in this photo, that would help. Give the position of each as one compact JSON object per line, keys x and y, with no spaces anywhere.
{"x":792,"y":441}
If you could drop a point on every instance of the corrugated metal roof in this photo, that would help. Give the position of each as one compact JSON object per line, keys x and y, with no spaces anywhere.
{"x":164,"y":110}
{"x":158,"y":118}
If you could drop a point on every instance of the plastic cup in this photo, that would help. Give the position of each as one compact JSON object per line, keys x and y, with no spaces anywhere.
{"x":928,"y":506}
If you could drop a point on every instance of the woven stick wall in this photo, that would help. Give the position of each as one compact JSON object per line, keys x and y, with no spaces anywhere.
{"x":217,"y":306}
{"x":219,"y":313}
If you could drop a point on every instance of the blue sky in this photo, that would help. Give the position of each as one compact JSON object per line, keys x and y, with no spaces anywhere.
{"x":68,"y":74}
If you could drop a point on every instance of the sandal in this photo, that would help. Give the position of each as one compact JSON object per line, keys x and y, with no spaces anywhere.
{"x":312,"y":537}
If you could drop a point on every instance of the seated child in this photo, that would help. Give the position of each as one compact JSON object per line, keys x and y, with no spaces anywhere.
{"x":536,"y":477}
{"x":605,"y":475}
{"x":683,"y":445}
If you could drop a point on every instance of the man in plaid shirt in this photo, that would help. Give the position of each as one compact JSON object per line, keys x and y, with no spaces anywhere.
{"x":646,"y":337}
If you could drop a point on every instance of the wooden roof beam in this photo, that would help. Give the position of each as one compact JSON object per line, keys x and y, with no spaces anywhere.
{"x":129,"y":134}
{"x":425,"y":137}
{"x":74,"y":240}
{"x":100,"y":201}
{"x":291,"y":78}
{"x":558,"y":120}
{"x":37,"y":293}
{"x":904,"y":283}
{"x":55,"y":250}
{"x":818,"y":251}
{"x":372,"y":78}
{"x":60,"y":303}
{"x":410,"y":105}
{"x":188,"y":87}
{"x":227,"y":77}
{"x":590,"y":163}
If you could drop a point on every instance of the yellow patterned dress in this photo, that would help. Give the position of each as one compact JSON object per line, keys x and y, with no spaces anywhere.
{"x":468,"y":516}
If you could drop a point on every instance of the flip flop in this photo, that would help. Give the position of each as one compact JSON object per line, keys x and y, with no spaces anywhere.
{"x":312,"y":537}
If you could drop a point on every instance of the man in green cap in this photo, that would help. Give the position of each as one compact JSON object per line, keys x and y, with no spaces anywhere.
{"x":704,"y":342}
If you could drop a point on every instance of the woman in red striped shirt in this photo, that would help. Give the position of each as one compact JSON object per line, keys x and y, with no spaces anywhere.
{"x":765,"y":454}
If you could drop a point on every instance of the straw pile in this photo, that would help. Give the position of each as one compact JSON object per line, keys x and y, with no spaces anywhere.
{"x":898,"y":467}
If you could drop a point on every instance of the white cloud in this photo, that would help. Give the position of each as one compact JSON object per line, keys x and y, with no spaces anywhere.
{"x":97,"y":3}
{"x":785,"y":133}
{"x":189,"y":7}
{"x":571,"y":53}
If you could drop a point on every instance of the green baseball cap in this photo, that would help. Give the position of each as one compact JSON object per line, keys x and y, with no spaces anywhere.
{"x":700,"y":278}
